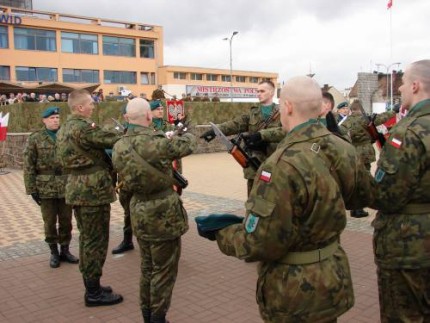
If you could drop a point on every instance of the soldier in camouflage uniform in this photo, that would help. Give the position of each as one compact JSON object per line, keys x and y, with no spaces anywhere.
{"x":143,"y":159}
{"x":295,"y":215}
{"x":45,"y":180}
{"x":355,"y":125}
{"x":402,"y":226}
{"x":252,"y":123}
{"x":81,"y":147}
{"x":158,"y":93}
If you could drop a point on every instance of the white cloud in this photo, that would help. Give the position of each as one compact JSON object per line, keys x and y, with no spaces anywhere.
{"x":335,"y":39}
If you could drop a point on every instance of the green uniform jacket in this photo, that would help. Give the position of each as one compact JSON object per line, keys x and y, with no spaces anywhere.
{"x":42,"y":168}
{"x":159,"y":208}
{"x":163,"y":125}
{"x":296,"y":205}
{"x":250,"y":123}
{"x":81,"y":147}
{"x":402,"y":194}
{"x":356,"y":126}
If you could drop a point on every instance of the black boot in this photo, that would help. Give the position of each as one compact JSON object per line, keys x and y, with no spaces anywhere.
{"x":106,"y":289}
{"x":125,"y":245}
{"x":159,"y":319}
{"x":96,"y":296}
{"x":359,"y":213}
{"x":65,"y":255}
{"x":146,"y":316}
{"x":54,"y":261}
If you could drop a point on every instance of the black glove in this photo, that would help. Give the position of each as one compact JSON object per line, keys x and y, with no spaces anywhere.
{"x":208,"y":135}
{"x":255,"y":142}
{"x":36,"y":198}
{"x":207,"y":226}
{"x":396,"y":108}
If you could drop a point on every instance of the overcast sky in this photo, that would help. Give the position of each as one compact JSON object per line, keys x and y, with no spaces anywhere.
{"x":335,"y":39}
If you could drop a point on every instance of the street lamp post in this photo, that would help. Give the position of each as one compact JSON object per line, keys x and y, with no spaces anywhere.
{"x":231,"y":63}
{"x":391,"y":80}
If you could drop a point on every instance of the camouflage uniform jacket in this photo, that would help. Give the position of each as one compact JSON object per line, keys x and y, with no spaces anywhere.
{"x":160,"y":208}
{"x":402,"y":194}
{"x":296,"y":205}
{"x":251,"y":123}
{"x":163,"y":126}
{"x":42,"y":168}
{"x":81,"y":147}
{"x":356,"y":126}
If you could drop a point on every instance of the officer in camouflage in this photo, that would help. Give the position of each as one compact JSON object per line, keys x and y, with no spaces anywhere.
{"x":158,"y":121}
{"x":252,"y":123}
{"x":356,"y":126}
{"x":402,"y":226}
{"x":81,"y":147}
{"x":44,"y":180}
{"x":295,"y":215}
{"x":143,"y":159}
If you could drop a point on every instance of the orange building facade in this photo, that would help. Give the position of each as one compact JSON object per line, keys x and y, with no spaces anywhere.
{"x":38,"y":47}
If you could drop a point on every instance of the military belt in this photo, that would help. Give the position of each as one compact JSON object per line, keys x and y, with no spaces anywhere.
{"x":155,"y":196}
{"x":417,"y":208}
{"x":309,"y":257}
{"x":86,"y":170}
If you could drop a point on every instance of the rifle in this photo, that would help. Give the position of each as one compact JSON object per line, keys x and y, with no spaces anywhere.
{"x":234,"y":148}
{"x":371,"y":129}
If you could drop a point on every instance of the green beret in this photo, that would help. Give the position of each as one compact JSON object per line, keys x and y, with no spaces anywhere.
{"x":207,"y":225}
{"x":342,"y":105}
{"x":50,"y":111}
{"x":155,"y":104}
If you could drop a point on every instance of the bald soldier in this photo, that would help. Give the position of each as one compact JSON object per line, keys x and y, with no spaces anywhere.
{"x":295,"y":215}
{"x":402,"y":197}
{"x":143,"y":159}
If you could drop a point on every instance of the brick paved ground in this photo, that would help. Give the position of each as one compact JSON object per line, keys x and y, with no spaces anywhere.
{"x":210,"y":287}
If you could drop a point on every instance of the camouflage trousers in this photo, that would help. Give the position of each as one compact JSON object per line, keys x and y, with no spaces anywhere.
{"x":93,"y":225}
{"x":124,"y":200}
{"x":159,"y":268}
{"x":53,"y":211}
{"x":404,"y":295}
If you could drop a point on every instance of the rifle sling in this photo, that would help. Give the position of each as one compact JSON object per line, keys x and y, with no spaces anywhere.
{"x":153,"y":169}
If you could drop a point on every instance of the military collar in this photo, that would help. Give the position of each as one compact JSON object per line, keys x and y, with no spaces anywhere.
{"x":420,"y":108}
{"x":305,"y":131}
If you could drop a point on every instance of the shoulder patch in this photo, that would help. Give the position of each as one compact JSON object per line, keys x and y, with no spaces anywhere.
{"x":395,"y":142}
{"x":265,"y":176}
{"x":251,"y":223}
{"x":379,"y":175}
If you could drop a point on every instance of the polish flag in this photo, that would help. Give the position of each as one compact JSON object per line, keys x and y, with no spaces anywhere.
{"x":389,"y":4}
{"x":4,"y":120}
{"x":396,"y":143}
{"x":265,"y":176}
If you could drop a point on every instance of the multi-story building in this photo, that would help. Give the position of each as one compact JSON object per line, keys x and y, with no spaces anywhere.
{"x":39,"y":48}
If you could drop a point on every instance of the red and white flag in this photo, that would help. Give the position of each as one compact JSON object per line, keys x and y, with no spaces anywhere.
{"x":389,"y":4}
{"x":4,"y":120}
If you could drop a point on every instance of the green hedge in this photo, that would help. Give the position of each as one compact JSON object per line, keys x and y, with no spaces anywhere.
{"x":25,"y":117}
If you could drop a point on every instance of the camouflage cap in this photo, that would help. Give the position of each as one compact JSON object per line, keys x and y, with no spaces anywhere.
{"x":50,"y":111}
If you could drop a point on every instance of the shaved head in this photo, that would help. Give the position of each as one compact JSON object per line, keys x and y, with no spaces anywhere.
{"x":300,"y":101}
{"x":138,"y":112}
{"x":415,"y":83}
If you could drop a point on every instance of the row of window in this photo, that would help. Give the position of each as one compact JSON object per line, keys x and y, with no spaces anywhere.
{"x":45,"y":40}
{"x":215,"y":77}
{"x":48,"y":74}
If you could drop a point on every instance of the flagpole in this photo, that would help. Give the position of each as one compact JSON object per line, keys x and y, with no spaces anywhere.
{"x":391,"y":34}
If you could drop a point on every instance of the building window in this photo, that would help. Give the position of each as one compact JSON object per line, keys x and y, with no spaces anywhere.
{"x":253,"y":79}
{"x":225,"y":78}
{"x":179,"y":75}
{"x":146,"y":48}
{"x":35,"y":39}
{"x":120,"y":77}
{"x":5,"y":73}
{"x":80,"y":76}
{"x":196,"y":76}
{"x":79,"y":43}
{"x":147,"y":78}
{"x":116,"y":46}
{"x":4,"y":41}
{"x":240,"y":79}
{"x":36,"y":74}
{"x":211,"y":77}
